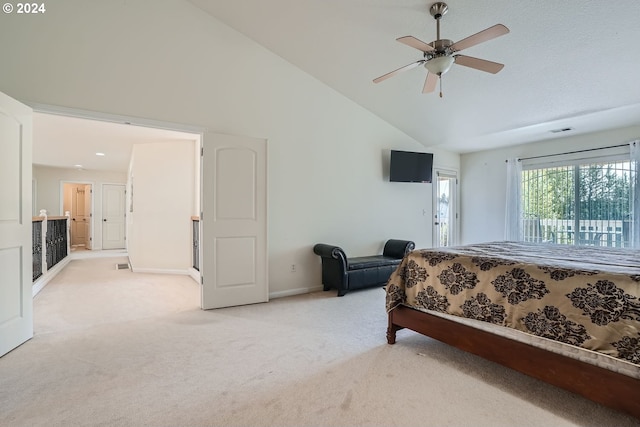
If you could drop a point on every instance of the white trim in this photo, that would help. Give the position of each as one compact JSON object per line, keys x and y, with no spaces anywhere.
{"x":184,"y":272}
{"x":195,"y":275}
{"x":292,"y":292}
{"x":43,"y":280}
{"x":99,"y":253}
{"x":114,"y":118}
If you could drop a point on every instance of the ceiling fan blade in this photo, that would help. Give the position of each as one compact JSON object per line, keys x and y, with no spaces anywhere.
{"x":430,"y":83}
{"x":483,"y":36}
{"x":478,"y":64}
{"x":415,"y":43}
{"x":394,"y":72}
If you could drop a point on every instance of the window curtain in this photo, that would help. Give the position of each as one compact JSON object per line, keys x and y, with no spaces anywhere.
{"x":634,"y":238}
{"x":513,"y":211}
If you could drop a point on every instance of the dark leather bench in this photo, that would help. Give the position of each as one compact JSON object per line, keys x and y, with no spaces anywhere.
{"x":347,"y":274}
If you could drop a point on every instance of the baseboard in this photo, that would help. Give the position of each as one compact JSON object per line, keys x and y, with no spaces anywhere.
{"x":161,"y":271}
{"x":292,"y":292}
{"x":98,"y":253}
{"x":195,"y":275}
{"x":42,"y":281}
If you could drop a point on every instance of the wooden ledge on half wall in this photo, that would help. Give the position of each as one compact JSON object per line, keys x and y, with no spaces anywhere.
{"x":49,"y":218}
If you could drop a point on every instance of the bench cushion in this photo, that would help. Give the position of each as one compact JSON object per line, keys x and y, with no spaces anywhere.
{"x":359,"y":263}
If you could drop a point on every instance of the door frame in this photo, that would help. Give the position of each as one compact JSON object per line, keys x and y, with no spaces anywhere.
{"x":134,"y":121}
{"x":455,"y":230}
{"x":91,"y":217}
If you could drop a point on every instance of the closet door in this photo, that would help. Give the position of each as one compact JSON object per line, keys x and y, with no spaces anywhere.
{"x":234,"y":221}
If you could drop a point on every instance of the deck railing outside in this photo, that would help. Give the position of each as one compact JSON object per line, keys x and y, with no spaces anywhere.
{"x":585,"y":232}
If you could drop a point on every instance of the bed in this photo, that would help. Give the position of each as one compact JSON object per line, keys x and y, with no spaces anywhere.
{"x":568,"y":315}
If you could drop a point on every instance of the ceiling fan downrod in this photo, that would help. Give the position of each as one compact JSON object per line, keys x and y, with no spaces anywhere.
{"x":437,"y":10}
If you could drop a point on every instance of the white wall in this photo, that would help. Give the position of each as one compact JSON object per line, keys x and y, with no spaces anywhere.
{"x":49,"y":191}
{"x":483,"y":180}
{"x":167,"y":60}
{"x":164,"y":194}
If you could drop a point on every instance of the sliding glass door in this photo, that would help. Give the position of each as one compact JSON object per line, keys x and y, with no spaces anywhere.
{"x":586,"y":203}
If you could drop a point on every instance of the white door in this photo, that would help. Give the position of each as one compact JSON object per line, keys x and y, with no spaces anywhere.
{"x":16,"y":300}
{"x":113,"y":212}
{"x":445,"y":225}
{"x":234,"y":221}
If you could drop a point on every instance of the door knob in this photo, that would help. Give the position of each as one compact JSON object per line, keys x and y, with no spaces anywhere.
{"x":105,"y":220}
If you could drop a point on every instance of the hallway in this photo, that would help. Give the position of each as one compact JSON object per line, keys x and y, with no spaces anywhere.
{"x":90,"y":291}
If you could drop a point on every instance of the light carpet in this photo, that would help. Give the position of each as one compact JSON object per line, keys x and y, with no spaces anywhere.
{"x":117,"y":348}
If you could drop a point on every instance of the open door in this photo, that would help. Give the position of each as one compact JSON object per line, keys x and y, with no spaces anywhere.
{"x":16,"y":299}
{"x":234,"y":221}
{"x":77,"y":200}
{"x":445,"y":201}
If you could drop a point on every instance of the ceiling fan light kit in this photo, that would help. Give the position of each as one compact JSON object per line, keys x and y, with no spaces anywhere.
{"x":439,"y":64}
{"x":440,"y":55}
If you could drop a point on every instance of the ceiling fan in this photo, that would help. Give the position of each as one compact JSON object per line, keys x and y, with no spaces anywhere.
{"x":439,"y":55}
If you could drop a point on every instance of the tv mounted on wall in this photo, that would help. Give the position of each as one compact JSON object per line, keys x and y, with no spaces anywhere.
{"x":409,"y":166}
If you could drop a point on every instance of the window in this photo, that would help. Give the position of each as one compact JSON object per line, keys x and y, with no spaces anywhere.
{"x":445,"y":208}
{"x":579,"y":202}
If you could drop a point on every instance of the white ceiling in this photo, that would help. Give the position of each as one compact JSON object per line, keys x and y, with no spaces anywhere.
{"x":568,"y":64}
{"x":70,"y":142}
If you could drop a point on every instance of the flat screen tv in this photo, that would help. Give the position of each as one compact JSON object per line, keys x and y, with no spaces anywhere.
{"x":409,"y":166}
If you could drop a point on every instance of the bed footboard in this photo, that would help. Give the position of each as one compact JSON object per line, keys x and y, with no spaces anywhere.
{"x":600,"y":385}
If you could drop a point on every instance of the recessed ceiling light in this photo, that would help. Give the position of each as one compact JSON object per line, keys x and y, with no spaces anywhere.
{"x":77,"y":166}
{"x":100,"y":154}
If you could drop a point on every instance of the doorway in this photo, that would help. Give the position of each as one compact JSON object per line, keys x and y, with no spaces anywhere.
{"x":445,"y":205}
{"x":77,"y":200}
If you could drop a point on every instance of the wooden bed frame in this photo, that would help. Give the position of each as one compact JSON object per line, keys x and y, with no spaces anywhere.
{"x":609,"y":388}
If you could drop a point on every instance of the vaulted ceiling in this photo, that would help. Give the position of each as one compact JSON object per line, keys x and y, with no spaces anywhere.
{"x":568,"y":64}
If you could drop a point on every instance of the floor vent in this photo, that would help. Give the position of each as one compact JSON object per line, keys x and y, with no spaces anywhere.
{"x":124,"y":266}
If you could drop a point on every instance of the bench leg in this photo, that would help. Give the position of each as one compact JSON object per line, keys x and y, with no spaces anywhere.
{"x":326,"y":288}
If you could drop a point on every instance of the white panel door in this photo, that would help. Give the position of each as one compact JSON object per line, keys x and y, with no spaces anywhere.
{"x":234,"y":221}
{"x":16,"y":301}
{"x":113,"y":212}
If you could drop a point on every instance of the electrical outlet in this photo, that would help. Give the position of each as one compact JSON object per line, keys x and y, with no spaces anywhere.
{"x":293,"y":268}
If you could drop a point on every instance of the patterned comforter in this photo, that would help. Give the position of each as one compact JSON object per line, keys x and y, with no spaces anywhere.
{"x":584,"y":296}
